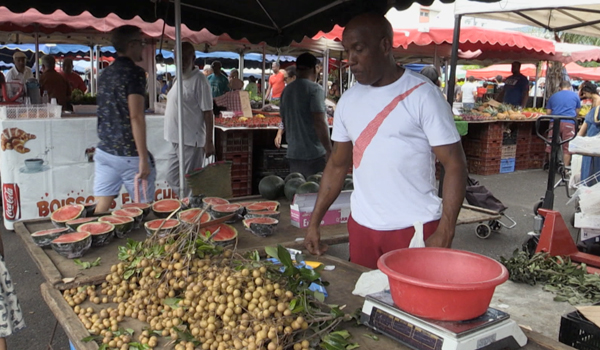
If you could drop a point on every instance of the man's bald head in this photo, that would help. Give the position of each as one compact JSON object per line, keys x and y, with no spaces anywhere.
{"x":373,"y":25}
{"x":188,"y":55}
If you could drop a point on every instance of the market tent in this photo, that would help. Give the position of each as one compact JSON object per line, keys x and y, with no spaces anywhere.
{"x":574,"y":71}
{"x":567,"y":53}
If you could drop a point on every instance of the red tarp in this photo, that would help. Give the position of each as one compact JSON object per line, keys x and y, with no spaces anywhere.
{"x":574,"y":70}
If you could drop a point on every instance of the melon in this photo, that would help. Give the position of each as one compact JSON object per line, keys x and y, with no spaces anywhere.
{"x":192,"y":216}
{"x":165,"y":207}
{"x":271,"y":187}
{"x":135,"y":213}
{"x":72,"y":245}
{"x":45,"y":237}
{"x":67,"y":213}
{"x":145,"y":207}
{"x":192,"y":202}
{"x":123,"y":224}
{"x":226,"y":235}
{"x":291,"y":186}
{"x":308,"y":187}
{"x":263,"y":213}
{"x":266,"y":205}
{"x":314,"y":178}
{"x":348,"y":184}
{"x":245,"y":204}
{"x":102,"y":232}
{"x":294,"y":176}
{"x":161,"y":227}
{"x":262,"y":227}
{"x":90,"y":208}
{"x":74,"y":224}
{"x":221,"y":210}
{"x":214,"y":201}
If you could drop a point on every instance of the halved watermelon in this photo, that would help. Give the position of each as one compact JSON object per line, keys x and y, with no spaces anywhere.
{"x":221,"y":210}
{"x":262,"y":227}
{"x":74,"y":224}
{"x":192,"y":216}
{"x":102,"y":232}
{"x":135,"y":213}
{"x":262,"y":214}
{"x":123,"y":224}
{"x":90,"y":208}
{"x":72,"y":245}
{"x":266,"y":205}
{"x":45,"y":237}
{"x":165,"y":207}
{"x":161,"y":226}
{"x":245,"y":204}
{"x":67,"y":213}
{"x":214,"y":201}
{"x":226,"y":235}
{"x":144,"y":206}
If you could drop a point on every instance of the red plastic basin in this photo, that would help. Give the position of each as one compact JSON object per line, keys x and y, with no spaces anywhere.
{"x":442,"y":284}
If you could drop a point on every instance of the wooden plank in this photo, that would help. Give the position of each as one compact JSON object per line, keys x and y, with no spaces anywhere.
{"x":543,"y":342}
{"x":43,"y":262}
{"x":470,"y":216}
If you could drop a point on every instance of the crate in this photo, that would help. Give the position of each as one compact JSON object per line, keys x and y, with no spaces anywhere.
{"x":482,"y":149}
{"x":536,"y":163}
{"x":507,"y":165}
{"x":578,"y":332}
{"x":537,"y":147}
{"x":522,"y":164}
{"x":241,"y":172}
{"x":509,"y":152}
{"x":273,"y":159}
{"x":486,"y":132}
{"x":480,"y":166}
{"x":241,"y":188}
{"x":45,"y":111}
{"x":235,"y":142}
{"x":238,"y":158}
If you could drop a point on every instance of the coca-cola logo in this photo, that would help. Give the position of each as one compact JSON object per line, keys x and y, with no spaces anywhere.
{"x":12,"y":205}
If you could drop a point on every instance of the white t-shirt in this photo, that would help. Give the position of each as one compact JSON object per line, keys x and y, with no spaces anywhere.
{"x":467,"y":92}
{"x":197,"y":98}
{"x":394,"y":169}
{"x":14,"y":75}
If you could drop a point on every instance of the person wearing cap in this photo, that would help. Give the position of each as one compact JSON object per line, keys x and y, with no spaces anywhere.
{"x":73,"y":78}
{"x":54,"y":83}
{"x":20,"y":72}
{"x":303,"y":116}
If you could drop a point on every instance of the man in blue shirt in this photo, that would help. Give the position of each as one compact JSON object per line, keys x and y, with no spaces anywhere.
{"x":566,"y":103}
{"x":218,"y":81}
{"x":516,"y":87}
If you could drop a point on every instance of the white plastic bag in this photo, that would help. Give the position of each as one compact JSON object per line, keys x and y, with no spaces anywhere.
{"x":371,"y":282}
{"x":585,"y":144}
{"x":417,"y":241}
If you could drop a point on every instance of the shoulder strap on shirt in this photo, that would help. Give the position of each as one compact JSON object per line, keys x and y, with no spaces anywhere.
{"x":596,"y":115}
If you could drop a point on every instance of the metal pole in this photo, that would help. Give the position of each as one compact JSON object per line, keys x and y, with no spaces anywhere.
{"x":241,"y":66}
{"x":91,"y":82}
{"x":37,"y":50}
{"x":535,"y":88}
{"x":325,"y":72}
{"x":179,"y":73}
{"x":263,"y":83}
{"x":98,"y":63}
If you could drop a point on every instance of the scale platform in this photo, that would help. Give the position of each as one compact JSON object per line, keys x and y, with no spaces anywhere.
{"x":493,"y":330}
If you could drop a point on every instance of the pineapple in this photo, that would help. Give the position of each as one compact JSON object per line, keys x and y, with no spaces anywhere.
{"x":489,"y":112}
{"x":479,"y":106}
{"x":503,"y":110}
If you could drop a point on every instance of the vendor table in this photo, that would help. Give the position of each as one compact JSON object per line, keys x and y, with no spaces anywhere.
{"x":342,"y":281}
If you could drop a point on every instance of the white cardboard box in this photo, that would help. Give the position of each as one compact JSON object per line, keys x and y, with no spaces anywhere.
{"x":303,"y":205}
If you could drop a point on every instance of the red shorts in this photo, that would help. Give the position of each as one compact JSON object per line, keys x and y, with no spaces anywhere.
{"x":567,"y":130}
{"x":367,"y":245}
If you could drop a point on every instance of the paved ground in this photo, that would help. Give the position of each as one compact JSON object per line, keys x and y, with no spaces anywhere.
{"x":519,"y":191}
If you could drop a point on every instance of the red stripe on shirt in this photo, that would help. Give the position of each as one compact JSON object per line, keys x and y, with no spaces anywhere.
{"x":365,"y":137}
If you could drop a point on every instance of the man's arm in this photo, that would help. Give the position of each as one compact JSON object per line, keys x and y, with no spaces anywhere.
{"x":453,"y":159}
{"x":322,"y":130}
{"x":138,"y":127}
{"x":331,"y":186}
{"x":548,"y":111}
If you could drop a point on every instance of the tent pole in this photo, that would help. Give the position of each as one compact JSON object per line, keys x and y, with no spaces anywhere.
{"x":179,"y":74}
{"x":37,"y":50}
{"x":98,"y":58}
{"x":242,"y":63}
{"x":263,"y":83}
{"x":325,"y":72}
{"x":91,"y":81}
{"x":535,"y":88}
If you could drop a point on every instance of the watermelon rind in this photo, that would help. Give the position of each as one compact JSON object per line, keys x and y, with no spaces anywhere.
{"x":153,"y":225}
{"x":291,"y":186}
{"x":43,"y":238}
{"x":66,"y":213}
{"x":213,"y":201}
{"x":265,"y":205}
{"x":90,"y":208}
{"x":145,"y":207}
{"x":121,"y":228}
{"x":271,"y":187}
{"x":262,"y":214}
{"x":226,"y":236}
{"x":314,"y":178}
{"x":191,"y":216}
{"x":308,"y":187}
{"x":262,"y":227}
{"x":72,"y":245}
{"x":135,"y":213}
{"x":192,"y":202}
{"x":173,"y":205}
{"x":102,"y":232}
{"x":219,"y":211}
{"x":294,"y":176}
{"x":74,"y":224}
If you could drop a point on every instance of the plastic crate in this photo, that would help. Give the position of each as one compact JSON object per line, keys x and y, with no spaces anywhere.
{"x":273,"y":159}
{"x":537,"y":147}
{"x":235,"y":142}
{"x":238,"y":158}
{"x":483,"y":166}
{"x":241,"y":188}
{"x":522,"y":164}
{"x":45,"y":111}
{"x":536,"y":164}
{"x":507,"y":165}
{"x":486,"y":132}
{"x":483,"y":149}
{"x":509,"y":152}
{"x":578,"y":332}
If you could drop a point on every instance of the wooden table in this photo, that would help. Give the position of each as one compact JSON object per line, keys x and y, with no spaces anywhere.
{"x":342,"y":281}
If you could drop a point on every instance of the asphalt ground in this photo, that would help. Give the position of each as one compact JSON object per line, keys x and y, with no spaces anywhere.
{"x":519,"y":191}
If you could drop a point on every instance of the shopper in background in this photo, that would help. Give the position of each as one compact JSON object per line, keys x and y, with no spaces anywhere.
{"x":10,"y":309}
{"x":53,"y":83}
{"x":432,"y":74}
{"x":290,"y":74}
{"x":469,"y":93}
{"x":73,"y":78}
{"x":516,"y":87}
{"x":20,"y":72}
{"x":207,"y":70}
{"x":276,"y":83}
{"x":219,"y":83}
{"x":565,"y":103}
{"x":590,"y":127}
{"x":251,"y":87}
{"x":234,"y":80}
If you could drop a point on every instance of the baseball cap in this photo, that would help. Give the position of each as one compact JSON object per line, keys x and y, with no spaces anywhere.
{"x":306,"y":60}
{"x":19,"y":54}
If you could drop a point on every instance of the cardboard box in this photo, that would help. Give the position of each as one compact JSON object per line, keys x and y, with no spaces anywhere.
{"x":303,"y":205}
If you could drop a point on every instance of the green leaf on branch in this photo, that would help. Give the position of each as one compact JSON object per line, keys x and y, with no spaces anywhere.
{"x":319,"y":296}
{"x":272,"y":252}
{"x":84,"y":265}
{"x":173,"y":303}
{"x":371,"y":336}
{"x":285,"y":257}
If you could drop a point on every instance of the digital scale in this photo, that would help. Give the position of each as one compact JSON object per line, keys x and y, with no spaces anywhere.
{"x":493,"y":330}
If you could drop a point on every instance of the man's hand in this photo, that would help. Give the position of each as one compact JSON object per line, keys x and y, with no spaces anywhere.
{"x":440,"y":238}
{"x":278,"y":140}
{"x":209,"y":148}
{"x":312,"y":242}
{"x":144,"y":169}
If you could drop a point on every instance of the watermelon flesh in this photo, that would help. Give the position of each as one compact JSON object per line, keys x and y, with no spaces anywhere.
{"x":74,"y":224}
{"x":102,"y":232}
{"x":192,"y":216}
{"x":165,"y":207}
{"x":226,"y":235}
{"x":161,"y":227}
{"x":135,"y":213}
{"x":45,"y":237}
{"x":72,"y":245}
{"x":214,"y":201}
{"x":266,"y":205}
{"x":123,"y":224}
{"x":219,"y":211}
{"x":262,"y":227}
{"x":263,"y":213}
{"x":145,"y":207}
{"x":67,"y":213}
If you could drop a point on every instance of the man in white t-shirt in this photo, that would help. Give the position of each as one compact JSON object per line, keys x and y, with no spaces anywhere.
{"x":469,"y":93}
{"x":390,"y":127}
{"x":20,"y":73}
{"x":197,"y":120}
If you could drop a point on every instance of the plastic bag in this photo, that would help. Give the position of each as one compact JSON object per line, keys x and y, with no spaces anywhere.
{"x":417,"y":241}
{"x":371,"y":282}
{"x":585,"y":144}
